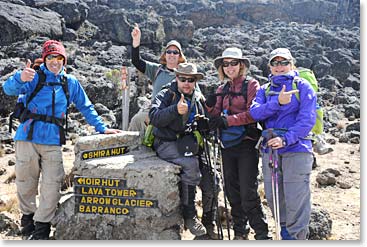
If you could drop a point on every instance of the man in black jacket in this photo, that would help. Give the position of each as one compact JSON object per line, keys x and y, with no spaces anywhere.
{"x":172,"y":114}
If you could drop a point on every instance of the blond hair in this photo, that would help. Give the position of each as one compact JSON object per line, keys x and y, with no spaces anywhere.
{"x":163,"y":60}
{"x":222,"y":75}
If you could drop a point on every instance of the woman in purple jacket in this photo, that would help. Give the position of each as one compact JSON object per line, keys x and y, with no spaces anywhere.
{"x":280,"y":110}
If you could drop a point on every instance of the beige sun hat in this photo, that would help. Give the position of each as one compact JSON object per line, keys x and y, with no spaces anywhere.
{"x":231,"y":52}
{"x":173,"y":42}
{"x":281,"y":52}
{"x":188,"y":69}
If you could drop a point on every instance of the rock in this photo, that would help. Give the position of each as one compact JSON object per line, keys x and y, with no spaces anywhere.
{"x":2,"y":171}
{"x":320,"y":224}
{"x":344,"y":184}
{"x":142,"y":175}
{"x":326,"y":179}
{"x":38,"y":22}
{"x":11,"y":162}
{"x":8,"y":225}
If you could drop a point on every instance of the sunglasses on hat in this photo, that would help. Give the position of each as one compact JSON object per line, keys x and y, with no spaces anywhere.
{"x":175,"y":52}
{"x":282,"y":63}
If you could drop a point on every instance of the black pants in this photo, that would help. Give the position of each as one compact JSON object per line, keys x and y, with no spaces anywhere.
{"x":240,"y":169}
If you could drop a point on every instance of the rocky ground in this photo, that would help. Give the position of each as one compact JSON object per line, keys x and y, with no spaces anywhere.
{"x":341,"y":200}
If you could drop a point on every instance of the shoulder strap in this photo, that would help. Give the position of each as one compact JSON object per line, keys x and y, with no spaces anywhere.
{"x":65,"y":88}
{"x":40,"y":84}
{"x":160,"y":68}
{"x":267,"y":88}
{"x":296,"y":79}
{"x":245,"y":86}
{"x":243,"y":92}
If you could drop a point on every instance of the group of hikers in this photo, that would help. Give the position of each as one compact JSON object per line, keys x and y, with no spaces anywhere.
{"x":181,"y":116}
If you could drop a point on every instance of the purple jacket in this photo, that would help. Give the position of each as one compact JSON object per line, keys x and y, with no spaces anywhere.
{"x":298,"y":117}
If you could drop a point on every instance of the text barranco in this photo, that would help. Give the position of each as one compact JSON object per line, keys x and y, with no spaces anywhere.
{"x":103,"y":210}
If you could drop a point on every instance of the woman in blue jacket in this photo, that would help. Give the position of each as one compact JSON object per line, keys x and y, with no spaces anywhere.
{"x":40,"y":135}
{"x":276,"y":104}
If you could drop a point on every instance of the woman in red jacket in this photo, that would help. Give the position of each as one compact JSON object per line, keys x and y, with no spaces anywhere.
{"x":229,"y":109}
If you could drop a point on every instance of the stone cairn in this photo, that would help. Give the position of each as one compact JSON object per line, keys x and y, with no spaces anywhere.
{"x":122,"y":190}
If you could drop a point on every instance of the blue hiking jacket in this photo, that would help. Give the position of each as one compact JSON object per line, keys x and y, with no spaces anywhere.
{"x":298,"y":117}
{"x":48,"y":133}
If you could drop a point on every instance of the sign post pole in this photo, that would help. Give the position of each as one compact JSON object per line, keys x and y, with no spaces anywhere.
{"x":125,"y":97}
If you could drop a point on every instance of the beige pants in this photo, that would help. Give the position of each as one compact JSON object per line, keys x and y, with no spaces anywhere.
{"x":139,"y":121}
{"x":32,"y":160}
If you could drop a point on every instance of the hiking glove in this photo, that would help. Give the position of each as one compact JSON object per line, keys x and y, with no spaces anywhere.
{"x":211,"y":100}
{"x":218,"y":123}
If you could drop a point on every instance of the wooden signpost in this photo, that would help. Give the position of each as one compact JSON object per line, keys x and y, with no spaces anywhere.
{"x":125,"y":96}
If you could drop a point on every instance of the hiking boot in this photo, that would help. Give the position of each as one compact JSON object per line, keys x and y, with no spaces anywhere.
{"x":41,"y":232}
{"x":321,"y":147}
{"x":263,"y":236}
{"x":212,"y":231}
{"x":240,"y":237}
{"x":285,"y":234}
{"x":27,"y":224}
{"x":195,"y":226}
{"x":208,"y":222}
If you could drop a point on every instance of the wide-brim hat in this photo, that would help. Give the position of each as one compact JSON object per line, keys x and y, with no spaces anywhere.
{"x":173,"y":42}
{"x":188,"y":69}
{"x":234,"y":53}
{"x":281,"y":52}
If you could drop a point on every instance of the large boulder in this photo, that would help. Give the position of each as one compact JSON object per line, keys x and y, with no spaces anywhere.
{"x":121,"y":191}
{"x":14,"y":27}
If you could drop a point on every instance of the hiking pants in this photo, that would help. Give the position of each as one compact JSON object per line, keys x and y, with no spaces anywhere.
{"x":294,"y":191}
{"x":240,"y":170}
{"x":138,"y":121}
{"x":31,"y":161}
{"x":190,"y":172}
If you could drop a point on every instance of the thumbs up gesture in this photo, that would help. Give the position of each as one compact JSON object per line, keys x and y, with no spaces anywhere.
{"x":28,"y":73}
{"x":136,"y":34}
{"x":182,"y":106}
{"x":285,"y":97}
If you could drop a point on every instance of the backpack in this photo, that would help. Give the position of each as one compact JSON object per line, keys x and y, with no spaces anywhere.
{"x":22,"y":113}
{"x":235,"y":134}
{"x":309,"y":76}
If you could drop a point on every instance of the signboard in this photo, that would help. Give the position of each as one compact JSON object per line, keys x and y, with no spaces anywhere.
{"x":103,"y":153}
{"x":108,"y":196}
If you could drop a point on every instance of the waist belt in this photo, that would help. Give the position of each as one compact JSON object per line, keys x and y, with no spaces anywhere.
{"x":44,"y":118}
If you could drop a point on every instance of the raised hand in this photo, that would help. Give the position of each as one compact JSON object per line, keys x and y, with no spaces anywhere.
{"x":182,"y":106}
{"x":136,"y":35}
{"x":28,"y":73}
{"x":285,"y":97}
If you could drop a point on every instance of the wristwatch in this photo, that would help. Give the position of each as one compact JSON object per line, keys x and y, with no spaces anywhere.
{"x":284,"y":142}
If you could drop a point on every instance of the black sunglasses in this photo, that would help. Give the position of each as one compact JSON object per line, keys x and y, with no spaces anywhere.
{"x":282,"y":63}
{"x":188,"y":79}
{"x":176,"y":52}
{"x":232,"y":63}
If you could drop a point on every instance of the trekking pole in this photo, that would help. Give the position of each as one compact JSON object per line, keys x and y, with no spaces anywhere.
{"x":224,"y":190}
{"x":273,"y":164}
{"x":213,"y":172}
{"x":275,"y":161}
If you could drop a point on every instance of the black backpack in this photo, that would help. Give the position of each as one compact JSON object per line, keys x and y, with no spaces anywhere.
{"x":22,"y":113}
